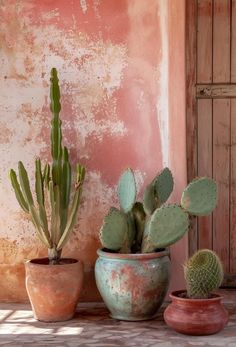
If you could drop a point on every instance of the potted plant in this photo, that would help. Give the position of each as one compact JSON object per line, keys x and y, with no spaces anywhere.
{"x":133,"y":268}
{"x":54,"y":283}
{"x":197,"y":311}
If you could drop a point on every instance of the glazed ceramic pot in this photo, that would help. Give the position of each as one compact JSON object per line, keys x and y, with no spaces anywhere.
{"x":133,"y":286}
{"x":54,"y":290}
{"x":195,"y":316}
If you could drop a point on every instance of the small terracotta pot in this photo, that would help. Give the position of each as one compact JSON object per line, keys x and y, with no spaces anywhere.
{"x":54,"y":290}
{"x":133,"y":286}
{"x":195,"y":316}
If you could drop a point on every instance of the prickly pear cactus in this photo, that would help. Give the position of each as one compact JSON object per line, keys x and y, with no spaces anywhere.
{"x":203,"y":274}
{"x":144,"y":227}
{"x":200,"y":197}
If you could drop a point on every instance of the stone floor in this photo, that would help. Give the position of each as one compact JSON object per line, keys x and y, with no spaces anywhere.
{"x":92,"y":327}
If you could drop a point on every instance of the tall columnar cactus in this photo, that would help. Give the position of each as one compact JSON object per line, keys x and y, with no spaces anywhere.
{"x":144,"y":227}
{"x":203,"y":274}
{"x":52,"y":181}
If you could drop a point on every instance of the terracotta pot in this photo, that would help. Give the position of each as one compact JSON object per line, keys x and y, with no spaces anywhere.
{"x":195,"y":316}
{"x":133,"y":286}
{"x":54,"y":290}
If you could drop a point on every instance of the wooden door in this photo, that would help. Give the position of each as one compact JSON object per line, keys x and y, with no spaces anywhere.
{"x":211,"y":121}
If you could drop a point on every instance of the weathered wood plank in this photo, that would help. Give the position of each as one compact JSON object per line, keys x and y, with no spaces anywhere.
{"x":191,"y":125}
{"x":205,"y":165}
{"x":233,"y":190}
{"x":204,"y":41}
{"x":221,"y":162}
{"x":229,"y":281}
{"x":233,"y":42}
{"x":221,"y":41}
{"x":219,"y":91}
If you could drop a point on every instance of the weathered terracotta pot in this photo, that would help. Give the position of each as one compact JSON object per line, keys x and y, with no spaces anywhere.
{"x":54,"y":290}
{"x":195,"y":316}
{"x":133,"y":286}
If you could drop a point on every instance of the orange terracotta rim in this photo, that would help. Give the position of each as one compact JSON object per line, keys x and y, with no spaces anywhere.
{"x":175,"y":296}
{"x":45,"y":261}
{"x":133,"y":256}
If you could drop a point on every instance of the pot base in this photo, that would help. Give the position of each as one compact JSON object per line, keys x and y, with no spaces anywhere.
{"x":133,"y":319}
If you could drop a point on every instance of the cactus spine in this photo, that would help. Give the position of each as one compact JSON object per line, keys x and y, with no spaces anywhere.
{"x":203,"y":274}
{"x":54,"y":182}
{"x":145,"y":227}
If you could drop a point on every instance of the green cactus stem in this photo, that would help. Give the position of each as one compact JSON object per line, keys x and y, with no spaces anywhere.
{"x":203,"y":274}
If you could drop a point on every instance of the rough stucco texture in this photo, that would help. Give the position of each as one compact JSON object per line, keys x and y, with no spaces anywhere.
{"x":109,"y":58}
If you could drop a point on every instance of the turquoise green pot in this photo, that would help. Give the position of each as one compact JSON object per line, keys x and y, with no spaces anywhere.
{"x":133,"y":286}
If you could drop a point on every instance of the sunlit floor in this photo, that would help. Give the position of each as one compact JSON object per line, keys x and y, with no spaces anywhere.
{"x":92,"y":327}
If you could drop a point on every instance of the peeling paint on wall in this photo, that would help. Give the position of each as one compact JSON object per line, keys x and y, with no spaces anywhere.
{"x":162,"y":102}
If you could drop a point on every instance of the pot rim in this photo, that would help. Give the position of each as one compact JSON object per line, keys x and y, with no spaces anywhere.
{"x":175,"y":296}
{"x":133,"y":256}
{"x":34,"y":262}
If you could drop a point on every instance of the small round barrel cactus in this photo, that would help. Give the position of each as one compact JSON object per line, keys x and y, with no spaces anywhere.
{"x":203,"y":273}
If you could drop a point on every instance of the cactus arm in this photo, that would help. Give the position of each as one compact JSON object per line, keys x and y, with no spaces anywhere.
{"x":72,"y":218}
{"x":18,"y":193}
{"x":36,"y":221}
{"x":24,"y":182}
{"x":55,"y":212}
{"x":44,"y":221}
{"x":46,"y":175}
{"x":66,"y":179}
{"x":127,"y":190}
{"x":39,"y":182}
{"x":73,"y":214}
{"x":65,"y":189}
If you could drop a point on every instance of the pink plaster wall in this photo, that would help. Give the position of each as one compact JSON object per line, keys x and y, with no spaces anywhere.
{"x":115,"y":63}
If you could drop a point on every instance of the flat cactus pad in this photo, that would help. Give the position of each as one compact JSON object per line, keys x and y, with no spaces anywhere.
{"x":200,"y":197}
{"x":127,"y":190}
{"x":163,"y":184}
{"x":149,"y":199}
{"x":114,"y":231}
{"x":166,"y":226}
